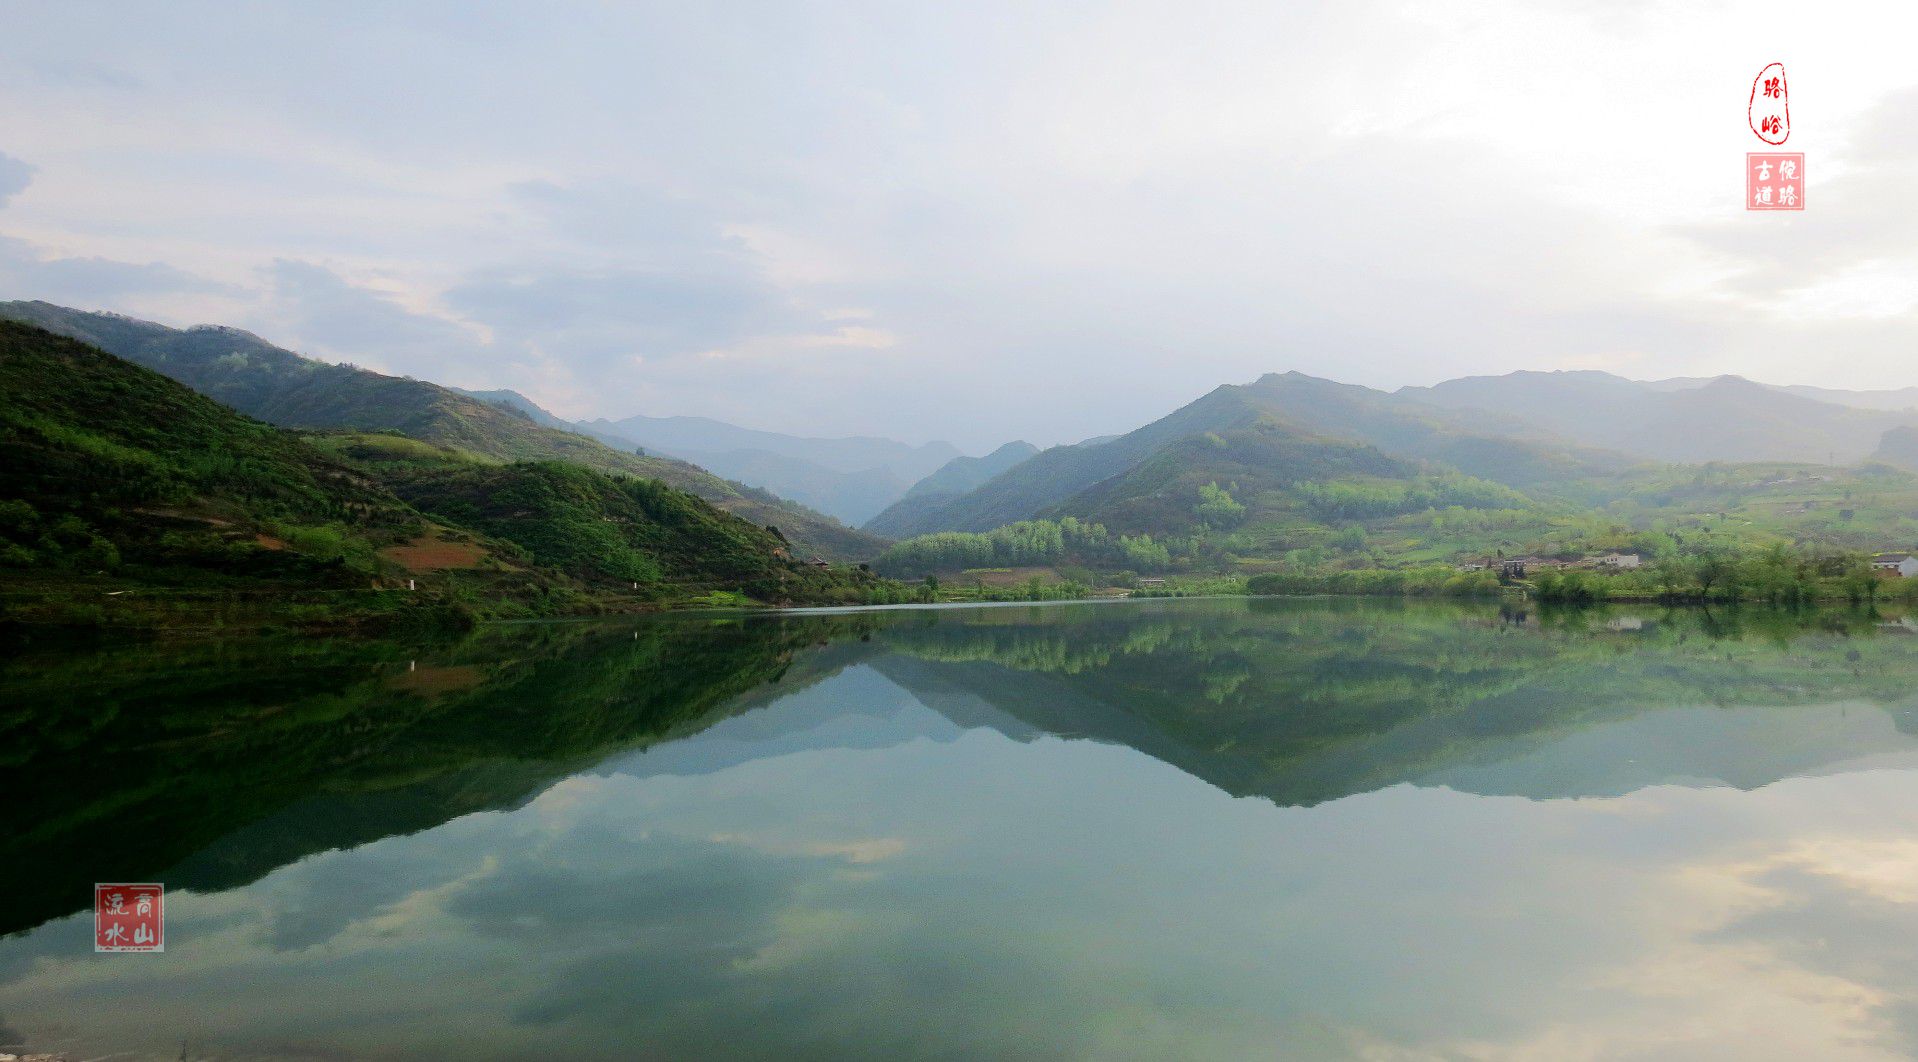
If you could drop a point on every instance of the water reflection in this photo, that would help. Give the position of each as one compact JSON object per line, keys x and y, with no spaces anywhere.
{"x":1179,"y":829}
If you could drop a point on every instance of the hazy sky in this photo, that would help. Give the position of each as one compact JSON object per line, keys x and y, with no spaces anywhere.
{"x":969,"y":221}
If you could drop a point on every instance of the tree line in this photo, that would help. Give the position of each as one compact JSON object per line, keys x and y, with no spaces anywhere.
{"x":1028,"y":542}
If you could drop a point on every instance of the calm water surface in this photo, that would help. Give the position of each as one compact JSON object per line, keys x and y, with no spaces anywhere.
{"x":1200,"y":829}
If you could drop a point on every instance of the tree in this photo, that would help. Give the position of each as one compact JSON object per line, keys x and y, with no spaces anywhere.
{"x":1217,"y":507}
{"x":1713,"y":567}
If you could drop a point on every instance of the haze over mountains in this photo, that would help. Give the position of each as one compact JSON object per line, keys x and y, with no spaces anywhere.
{"x":954,"y":478}
{"x":1285,"y":449}
{"x":1896,"y":399}
{"x":1279,"y":418}
{"x":1533,"y":431}
{"x":1727,"y":418}
{"x":849,"y":479}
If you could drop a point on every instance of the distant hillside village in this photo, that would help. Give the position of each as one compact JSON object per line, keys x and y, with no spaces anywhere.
{"x":1517,"y":567}
{"x":1888,"y":565}
{"x":1898,"y":565}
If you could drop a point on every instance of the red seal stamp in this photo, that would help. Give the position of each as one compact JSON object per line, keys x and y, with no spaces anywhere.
{"x":128,"y":918}
{"x":1775,"y":181}
{"x":1769,"y":112}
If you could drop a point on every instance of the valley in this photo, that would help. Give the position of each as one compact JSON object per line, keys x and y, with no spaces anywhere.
{"x":1287,"y":484}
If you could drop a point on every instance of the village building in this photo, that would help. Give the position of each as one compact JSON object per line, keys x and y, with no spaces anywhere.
{"x":1902,"y":565}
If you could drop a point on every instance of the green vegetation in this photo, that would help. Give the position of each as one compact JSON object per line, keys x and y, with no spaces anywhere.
{"x":212,"y":762}
{"x":128,"y":500}
{"x":1423,"y":581}
{"x":605,"y":530}
{"x":1290,"y":426}
{"x":1285,"y":485}
{"x":245,"y":372}
{"x":945,"y":485}
{"x":1300,"y":514}
{"x":1717,"y":572}
{"x":1305,"y":485}
{"x":1029,"y":542}
{"x":1301,"y":701}
{"x":112,"y":476}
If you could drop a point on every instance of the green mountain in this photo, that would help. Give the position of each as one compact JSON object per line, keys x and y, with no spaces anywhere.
{"x":1051,"y":476}
{"x":128,"y":499}
{"x":1724,"y":419}
{"x":606,"y":532}
{"x":111,"y":472}
{"x":1247,"y":475}
{"x":1468,"y":442}
{"x":949,"y":481}
{"x":1486,"y":444}
{"x":276,"y":385}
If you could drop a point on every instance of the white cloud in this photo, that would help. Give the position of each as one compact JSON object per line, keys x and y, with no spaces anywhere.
{"x":1118,"y":208}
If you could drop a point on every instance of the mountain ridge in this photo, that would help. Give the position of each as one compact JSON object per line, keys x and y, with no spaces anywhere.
{"x":1722,"y":418}
{"x":1304,"y":404}
{"x":949,"y":481}
{"x":271,"y":383}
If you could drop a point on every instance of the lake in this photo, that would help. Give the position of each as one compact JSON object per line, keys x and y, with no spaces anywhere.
{"x":1145,"y":830}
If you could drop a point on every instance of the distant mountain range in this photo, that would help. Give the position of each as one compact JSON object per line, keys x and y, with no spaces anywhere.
{"x":1283,"y":426}
{"x":1897,"y":399}
{"x":849,"y":479}
{"x":1531,"y":431}
{"x":1283,"y":451}
{"x":1727,"y":418}
{"x":954,"y":478}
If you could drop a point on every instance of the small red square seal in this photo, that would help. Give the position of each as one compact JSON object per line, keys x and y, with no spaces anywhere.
{"x":1775,"y":181}
{"x":128,"y":918}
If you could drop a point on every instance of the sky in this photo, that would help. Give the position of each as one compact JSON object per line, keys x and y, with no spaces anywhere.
{"x":971,"y":222}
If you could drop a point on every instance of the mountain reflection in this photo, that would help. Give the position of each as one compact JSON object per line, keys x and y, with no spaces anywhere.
{"x":207,"y":766}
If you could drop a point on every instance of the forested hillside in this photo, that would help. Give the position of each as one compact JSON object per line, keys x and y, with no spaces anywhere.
{"x":608,"y":532}
{"x":110,"y":471}
{"x":1467,"y":442}
{"x":128,"y":499}
{"x":1223,"y":479}
{"x":276,"y":385}
{"x":949,"y":481}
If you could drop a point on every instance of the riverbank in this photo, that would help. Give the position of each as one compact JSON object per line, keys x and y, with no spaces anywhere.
{"x":35,"y":604}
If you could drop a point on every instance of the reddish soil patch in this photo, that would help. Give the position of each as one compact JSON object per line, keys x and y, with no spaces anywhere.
{"x":427,"y":554}
{"x":269,"y":542}
{"x":1001,"y":576}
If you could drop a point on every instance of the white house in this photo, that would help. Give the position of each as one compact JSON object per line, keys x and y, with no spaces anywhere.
{"x":1903,"y":565}
{"x":1621,"y":561}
